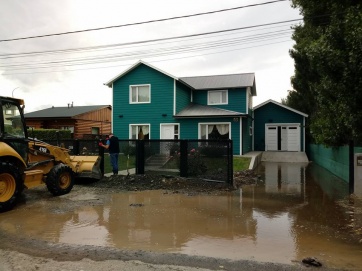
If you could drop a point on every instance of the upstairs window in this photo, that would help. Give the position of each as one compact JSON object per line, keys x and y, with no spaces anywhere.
{"x":217,"y":97}
{"x":140,"y":94}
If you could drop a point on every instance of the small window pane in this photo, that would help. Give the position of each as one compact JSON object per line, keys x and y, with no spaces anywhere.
{"x":143,"y":94}
{"x":223,"y":98}
{"x":203,"y":131}
{"x":134,"y":132}
{"x":134,"y":94}
{"x":214,"y":97}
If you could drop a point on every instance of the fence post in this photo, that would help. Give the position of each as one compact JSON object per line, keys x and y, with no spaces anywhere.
{"x":101,"y":154}
{"x":140,"y":157}
{"x":231,"y":162}
{"x":183,"y":158}
{"x":76,"y":147}
{"x":351,"y":166}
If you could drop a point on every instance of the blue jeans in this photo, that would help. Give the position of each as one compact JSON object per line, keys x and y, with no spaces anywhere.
{"x":114,"y":162}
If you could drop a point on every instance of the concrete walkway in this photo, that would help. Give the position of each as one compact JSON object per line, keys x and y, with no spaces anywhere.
{"x":275,"y":156}
{"x":255,"y":158}
{"x":283,"y":156}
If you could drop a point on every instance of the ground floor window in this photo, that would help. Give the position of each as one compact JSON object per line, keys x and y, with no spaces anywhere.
{"x":140,"y":131}
{"x":214,"y":131}
{"x":95,"y":130}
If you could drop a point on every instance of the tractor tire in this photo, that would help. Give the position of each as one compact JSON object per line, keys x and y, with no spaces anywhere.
{"x":11,"y":186}
{"x":60,"y":180}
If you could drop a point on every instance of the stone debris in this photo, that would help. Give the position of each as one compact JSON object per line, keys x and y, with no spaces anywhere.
{"x":245,"y":177}
{"x":311,"y":261}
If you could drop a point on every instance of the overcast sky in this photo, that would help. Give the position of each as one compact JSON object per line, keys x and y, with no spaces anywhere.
{"x":60,"y":69}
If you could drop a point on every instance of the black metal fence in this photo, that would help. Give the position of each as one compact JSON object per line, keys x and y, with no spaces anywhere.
{"x":205,"y":159}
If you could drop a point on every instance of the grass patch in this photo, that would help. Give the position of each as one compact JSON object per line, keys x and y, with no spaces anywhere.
{"x":122,"y":163}
{"x":241,"y":163}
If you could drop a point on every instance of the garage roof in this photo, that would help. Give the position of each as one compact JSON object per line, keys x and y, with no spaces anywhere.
{"x":281,"y":105}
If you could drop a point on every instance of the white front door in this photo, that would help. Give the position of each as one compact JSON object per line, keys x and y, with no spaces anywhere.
{"x":168,"y":131}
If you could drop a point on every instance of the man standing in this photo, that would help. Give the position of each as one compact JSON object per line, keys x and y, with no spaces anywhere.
{"x":112,"y":145}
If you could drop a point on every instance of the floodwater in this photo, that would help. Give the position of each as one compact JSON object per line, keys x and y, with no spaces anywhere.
{"x":294,"y":211}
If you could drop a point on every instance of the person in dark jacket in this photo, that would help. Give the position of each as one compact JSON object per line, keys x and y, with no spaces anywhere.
{"x":112,"y":145}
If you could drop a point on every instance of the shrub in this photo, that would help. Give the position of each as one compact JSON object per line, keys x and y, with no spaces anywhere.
{"x":128,"y":149}
{"x":195,"y":164}
{"x":213,"y":150}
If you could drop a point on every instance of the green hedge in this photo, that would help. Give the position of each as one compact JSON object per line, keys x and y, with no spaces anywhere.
{"x":49,"y":134}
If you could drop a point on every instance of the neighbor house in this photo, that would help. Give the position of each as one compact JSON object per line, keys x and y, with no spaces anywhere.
{"x":149,"y":103}
{"x":82,"y":121}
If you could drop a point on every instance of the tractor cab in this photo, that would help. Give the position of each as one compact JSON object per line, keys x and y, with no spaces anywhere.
{"x":12,"y":126}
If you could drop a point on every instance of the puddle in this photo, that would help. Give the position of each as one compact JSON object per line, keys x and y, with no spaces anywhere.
{"x":292,"y":212}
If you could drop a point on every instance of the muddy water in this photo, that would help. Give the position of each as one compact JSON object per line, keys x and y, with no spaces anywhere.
{"x":294,"y":211}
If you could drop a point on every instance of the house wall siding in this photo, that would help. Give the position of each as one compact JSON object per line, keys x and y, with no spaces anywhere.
{"x":82,"y":123}
{"x":162,"y":91}
{"x":237,"y":99}
{"x":183,"y":96}
{"x":272,"y":113}
{"x":247,"y":143}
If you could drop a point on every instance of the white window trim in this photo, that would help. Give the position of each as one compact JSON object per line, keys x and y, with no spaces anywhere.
{"x":212,"y":123}
{"x":221,"y":90}
{"x":130,"y":93}
{"x":138,"y":124}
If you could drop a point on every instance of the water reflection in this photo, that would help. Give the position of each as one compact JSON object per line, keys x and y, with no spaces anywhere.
{"x":293,"y":211}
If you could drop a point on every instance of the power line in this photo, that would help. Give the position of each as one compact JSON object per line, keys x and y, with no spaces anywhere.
{"x":145,"y":22}
{"x":176,"y":58}
{"x":206,"y":45}
{"x":150,"y":41}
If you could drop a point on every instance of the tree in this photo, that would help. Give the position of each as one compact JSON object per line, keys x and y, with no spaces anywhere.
{"x":328,"y":69}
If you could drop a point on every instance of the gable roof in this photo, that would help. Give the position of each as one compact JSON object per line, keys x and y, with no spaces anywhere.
{"x":63,"y":112}
{"x":197,"y":110}
{"x":281,"y":105}
{"x":202,"y":82}
{"x":110,"y":82}
{"x":221,"y":81}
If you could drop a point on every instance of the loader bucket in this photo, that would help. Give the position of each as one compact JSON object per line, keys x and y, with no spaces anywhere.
{"x":87,"y":166}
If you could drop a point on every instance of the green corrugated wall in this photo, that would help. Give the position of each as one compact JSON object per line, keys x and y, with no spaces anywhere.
{"x":335,"y":160}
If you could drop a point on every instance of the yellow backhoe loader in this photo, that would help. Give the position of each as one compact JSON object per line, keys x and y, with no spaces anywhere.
{"x":27,"y":163}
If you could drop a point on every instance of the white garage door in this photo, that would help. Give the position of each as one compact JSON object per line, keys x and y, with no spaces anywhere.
{"x":293,"y":138}
{"x":283,"y":137}
{"x":271,"y":142}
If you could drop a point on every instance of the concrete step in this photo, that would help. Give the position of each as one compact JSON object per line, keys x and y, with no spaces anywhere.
{"x":281,"y":156}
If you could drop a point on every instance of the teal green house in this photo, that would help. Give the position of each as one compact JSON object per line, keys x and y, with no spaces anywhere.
{"x":278,"y":127}
{"x":149,"y":103}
